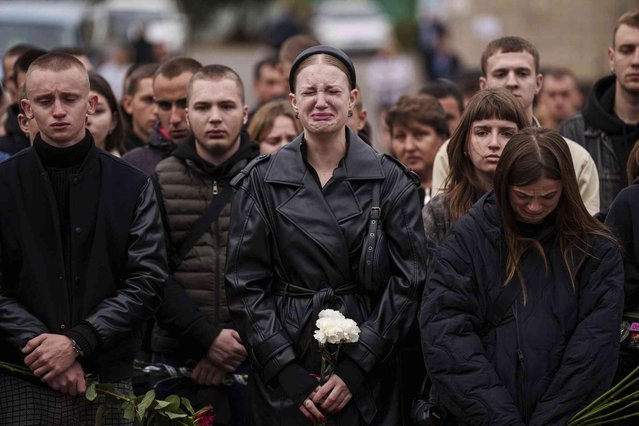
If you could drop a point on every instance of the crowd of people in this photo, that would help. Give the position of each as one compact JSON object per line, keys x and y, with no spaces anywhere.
{"x":488,"y":258}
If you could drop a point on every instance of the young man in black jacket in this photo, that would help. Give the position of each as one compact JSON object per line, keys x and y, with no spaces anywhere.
{"x":169,"y":91}
{"x":193,"y":323}
{"x":607,"y":126}
{"x":82,"y":257}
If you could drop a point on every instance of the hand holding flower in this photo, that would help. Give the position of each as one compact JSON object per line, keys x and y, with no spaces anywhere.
{"x":333,"y":395}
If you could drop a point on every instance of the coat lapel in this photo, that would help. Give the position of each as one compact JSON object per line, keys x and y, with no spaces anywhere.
{"x":316,"y":213}
{"x":307,"y":208}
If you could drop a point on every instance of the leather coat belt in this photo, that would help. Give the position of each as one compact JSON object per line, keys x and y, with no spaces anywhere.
{"x":320,"y":298}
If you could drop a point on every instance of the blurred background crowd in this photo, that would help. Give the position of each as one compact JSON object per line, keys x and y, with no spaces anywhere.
{"x":398,"y":45}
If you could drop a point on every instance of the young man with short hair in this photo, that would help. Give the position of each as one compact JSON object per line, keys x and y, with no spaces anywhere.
{"x":139,"y":106}
{"x":559,"y":98}
{"x":267,"y":81}
{"x":449,"y":97}
{"x":608,"y":125}
{"x":513,"y":63}
{"x":193,"y":322}
{"x":169,"y":90}
{"x":14,"y":139}
{"x":82,"y":258}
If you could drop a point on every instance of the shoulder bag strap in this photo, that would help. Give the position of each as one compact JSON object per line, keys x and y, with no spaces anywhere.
{"x":371,"y":239}
{"x":201,"y":225}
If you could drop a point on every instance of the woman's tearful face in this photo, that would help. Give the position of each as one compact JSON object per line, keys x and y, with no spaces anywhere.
{"x":322,"y":98}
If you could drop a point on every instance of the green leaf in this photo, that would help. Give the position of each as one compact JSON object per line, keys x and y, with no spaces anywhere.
{"x":174,"y":401}
{"x":129,"y":411}
{"x":100,"y":414}
{"x":161,"y":405}
{"x":172,"y":415}
{"x":146,"y":402}
{"x":91,"y":393}
{"x":187,"y":404}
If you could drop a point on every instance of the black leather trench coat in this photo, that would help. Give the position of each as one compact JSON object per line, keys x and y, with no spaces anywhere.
{"x":285,"y":228}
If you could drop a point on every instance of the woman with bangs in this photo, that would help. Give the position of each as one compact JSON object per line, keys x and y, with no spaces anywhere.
{"x":531,"y":246}
{"x":491,"y":118}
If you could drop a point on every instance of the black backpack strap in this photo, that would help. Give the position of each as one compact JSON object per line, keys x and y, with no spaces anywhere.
{"x":201,"y":225}
{"x":371,"y":239}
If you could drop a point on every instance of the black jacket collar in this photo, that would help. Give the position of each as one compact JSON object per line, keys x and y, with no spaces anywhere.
{"x":247,"y":150}
{"x":361,"y":162}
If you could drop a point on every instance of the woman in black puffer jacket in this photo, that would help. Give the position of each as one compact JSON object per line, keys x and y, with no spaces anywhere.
{"x":556,"y":348}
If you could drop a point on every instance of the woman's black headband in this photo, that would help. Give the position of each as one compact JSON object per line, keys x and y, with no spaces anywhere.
{"x":328,"y":50}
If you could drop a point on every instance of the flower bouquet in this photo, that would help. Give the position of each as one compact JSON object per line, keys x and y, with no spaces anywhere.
{"x":619,"y":404}
{"x":334,"y":329}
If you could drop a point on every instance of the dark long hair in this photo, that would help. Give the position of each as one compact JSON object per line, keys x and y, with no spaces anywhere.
{"x":530,"y":155}
{"x":461,"y":183}
{"x":115,"y":139}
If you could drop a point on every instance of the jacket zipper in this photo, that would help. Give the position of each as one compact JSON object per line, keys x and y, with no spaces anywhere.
{"x":520,"y":375}
{"x":217,"y":262}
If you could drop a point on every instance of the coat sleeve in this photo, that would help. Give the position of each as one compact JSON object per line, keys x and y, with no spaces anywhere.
{"x":455,"y":358}
{"x":180,"y":315}
{"x":590,"y":359}
{"x":247,"y":279}
{"x":16,"y":322}
{"x":141,"y":290}
{"x":587,"y":176}
{"x":620,"y":219}
{"x":396,"y":311}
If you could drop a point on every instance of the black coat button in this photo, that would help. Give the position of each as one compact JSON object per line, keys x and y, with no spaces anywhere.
{"x":78,"y":230}
{"x":75,"y":180}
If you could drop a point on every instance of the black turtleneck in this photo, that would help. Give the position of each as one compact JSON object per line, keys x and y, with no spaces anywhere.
{"x":539,"y":231}
{"x":61,"y":165}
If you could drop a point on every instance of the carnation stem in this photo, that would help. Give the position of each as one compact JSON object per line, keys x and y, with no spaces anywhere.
{"x":611,"y":393}
{"x":609,"y":415}
{"x":604,"y":406}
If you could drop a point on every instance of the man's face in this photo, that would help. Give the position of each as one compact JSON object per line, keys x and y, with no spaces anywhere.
{"x":269,"y":84}
{"x":59,"y":104}
{"x":216,"y":115}
{"x":142,"y":109}
{"x":624,"y":58}
{"x":452,"y":110}
{"x":170,"y":98}
{"x":7,"y":76}
{"x":559,"y":97}
{"x":516,"y":72}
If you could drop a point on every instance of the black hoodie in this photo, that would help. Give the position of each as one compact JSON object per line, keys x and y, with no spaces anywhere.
{"x":247,"y":150}
{"x":606,"y":138}
{"x":599,"y":113}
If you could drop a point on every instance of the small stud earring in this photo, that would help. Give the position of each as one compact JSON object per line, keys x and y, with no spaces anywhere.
{"x":297,"y":115}
{"x":350,"y":112}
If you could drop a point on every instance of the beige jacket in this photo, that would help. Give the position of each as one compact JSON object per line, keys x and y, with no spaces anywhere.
{"x":587,"y":176}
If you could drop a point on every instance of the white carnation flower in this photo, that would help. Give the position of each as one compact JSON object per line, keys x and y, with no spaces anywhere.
{"x":333,"y":327}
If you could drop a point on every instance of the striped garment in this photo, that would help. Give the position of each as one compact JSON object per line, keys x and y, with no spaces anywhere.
{"x":24,"y":403}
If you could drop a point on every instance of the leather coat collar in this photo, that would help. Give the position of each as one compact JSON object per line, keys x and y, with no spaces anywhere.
{"x":361,"y":162}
